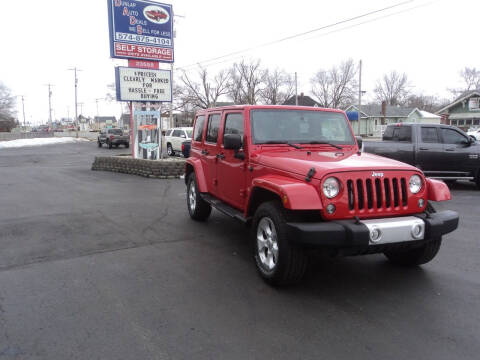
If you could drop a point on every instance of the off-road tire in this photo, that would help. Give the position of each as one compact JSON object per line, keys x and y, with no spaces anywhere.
{"x":416,"y":256}
{"x":291,"y":263}
{"x":200,"y":210}
{"x":170,"y":151}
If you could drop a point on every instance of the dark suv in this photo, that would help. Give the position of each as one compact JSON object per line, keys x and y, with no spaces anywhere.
{"x":113,"y":137}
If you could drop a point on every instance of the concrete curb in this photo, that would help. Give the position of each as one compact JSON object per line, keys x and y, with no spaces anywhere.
{"x":171,"y":168}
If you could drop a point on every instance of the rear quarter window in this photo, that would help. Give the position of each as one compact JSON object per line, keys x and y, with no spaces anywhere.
{"x":198,"y":130}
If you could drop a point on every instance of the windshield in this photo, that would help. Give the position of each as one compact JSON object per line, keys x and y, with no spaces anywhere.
{"x":299,"y":127}
{"x":115,"y":131}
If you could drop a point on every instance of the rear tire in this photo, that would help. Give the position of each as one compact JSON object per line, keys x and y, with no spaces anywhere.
{"x":198,"y":208}
{"x":170,"y":151}
{"x":278,"y":261}
{"x":417,"y":256}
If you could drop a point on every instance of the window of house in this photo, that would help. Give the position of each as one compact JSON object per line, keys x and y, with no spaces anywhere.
{"x":429,"y":135}
{"x":234,"y":124}
{"x":474,"y":103}
{"x":453,"y":122}
{"x":198,"y":131}
{"x":469,"y":122}
{"x":212,"y":129}
{"x":461,"y":122}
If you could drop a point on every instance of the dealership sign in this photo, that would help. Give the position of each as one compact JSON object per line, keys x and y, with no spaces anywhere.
{"x":136,"y":84}
{"x":140,"y":29}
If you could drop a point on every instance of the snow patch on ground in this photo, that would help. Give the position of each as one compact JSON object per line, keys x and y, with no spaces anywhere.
{"x":38,"y":142}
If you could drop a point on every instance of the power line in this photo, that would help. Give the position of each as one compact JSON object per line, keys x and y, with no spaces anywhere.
{"x":299,"y":34}
{"x":335,"y":30}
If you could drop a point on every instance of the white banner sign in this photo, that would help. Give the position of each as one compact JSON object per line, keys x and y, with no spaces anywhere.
{"x":134,"y":84}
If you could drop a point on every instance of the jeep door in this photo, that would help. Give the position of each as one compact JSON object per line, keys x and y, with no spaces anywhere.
{"x":230,"y":168}
{"x":210,"y":149}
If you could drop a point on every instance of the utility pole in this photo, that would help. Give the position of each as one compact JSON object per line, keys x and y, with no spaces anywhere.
{"x":76,"y":104}
{"x":23,"y":109}
{"x":49,"y":106}
{"x":296,"y":89}
{"x":359,"y":93}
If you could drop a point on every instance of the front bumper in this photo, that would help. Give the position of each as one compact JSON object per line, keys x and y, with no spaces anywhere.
{"x":353,"y":233}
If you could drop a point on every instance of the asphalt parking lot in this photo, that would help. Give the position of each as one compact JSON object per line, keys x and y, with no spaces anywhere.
{"x":98,"y":265}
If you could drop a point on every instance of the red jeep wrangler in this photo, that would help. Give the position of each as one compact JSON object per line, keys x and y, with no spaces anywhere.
{"x":298,"y":177}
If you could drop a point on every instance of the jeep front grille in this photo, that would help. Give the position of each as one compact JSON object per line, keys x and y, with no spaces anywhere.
{"x":378,"y":193}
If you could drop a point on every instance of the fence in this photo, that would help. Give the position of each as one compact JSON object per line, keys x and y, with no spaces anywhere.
{"x":5,"y":136}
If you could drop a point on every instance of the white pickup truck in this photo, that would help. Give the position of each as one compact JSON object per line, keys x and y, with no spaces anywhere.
{"x":174,"y":138}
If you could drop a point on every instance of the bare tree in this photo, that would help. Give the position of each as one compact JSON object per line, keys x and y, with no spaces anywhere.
{"x":205,"y":92}
{"x":424,"y":102}
{"x":392,"y":88}
{"x":7,"y":107}
{"x":471,"y":80}
{"x":246,"y":82}
{"x":335,"y":87}
{"x":278,"y":87}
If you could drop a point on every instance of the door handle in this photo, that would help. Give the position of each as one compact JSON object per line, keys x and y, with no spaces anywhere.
{"x":450,"y":149}
{"x":204,"y":152}
{"x":220,"y":156}
{"x":423,"y":148}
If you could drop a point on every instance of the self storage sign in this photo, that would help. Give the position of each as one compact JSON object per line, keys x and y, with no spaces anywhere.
{"x":135,"y":84}
{"x":141,"y":29}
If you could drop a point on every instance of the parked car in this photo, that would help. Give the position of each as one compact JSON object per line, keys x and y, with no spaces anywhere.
{"x":113,"y":137}
{"x":297,"y":177}
{"x":175,"y":137}
{"x":475,"y":133}
{"x":186,"y":148}
{"x":441,"y":151}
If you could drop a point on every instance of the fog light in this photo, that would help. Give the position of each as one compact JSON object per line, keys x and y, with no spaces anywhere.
{"x":375,"y":234}
{"x":417,"y":231}
{"x":330,"y":209}
{"x":421,"y":203}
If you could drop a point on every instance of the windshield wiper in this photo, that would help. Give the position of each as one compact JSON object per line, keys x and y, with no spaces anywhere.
{"x":325,"y":143}
{"x":282,"y":142}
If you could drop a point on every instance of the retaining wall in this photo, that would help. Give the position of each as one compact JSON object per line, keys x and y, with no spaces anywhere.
{"x":162,"y":169}
{"x":6,"y":136}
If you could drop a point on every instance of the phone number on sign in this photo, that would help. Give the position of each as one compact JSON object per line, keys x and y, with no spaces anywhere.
{"x":142,"y":39}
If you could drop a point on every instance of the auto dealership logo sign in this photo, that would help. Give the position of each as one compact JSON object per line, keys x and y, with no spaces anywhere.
{"x":156,"y":14}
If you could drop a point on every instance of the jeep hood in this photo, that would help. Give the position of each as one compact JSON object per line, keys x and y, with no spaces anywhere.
{"x":326,"y":162}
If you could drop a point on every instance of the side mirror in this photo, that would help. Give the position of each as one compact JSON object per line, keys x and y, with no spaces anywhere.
{"x":359,"y":142}
{"x":472,"y":139}
{"x":232,"y":141}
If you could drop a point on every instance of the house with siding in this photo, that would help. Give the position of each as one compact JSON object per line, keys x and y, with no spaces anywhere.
{"x":374,"y":118}
{"x":463,"y":112}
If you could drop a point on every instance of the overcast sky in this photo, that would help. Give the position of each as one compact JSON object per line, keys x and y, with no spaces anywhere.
{"x":429,"y":40}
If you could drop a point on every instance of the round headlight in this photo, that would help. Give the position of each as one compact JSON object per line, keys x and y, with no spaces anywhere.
{"x":415,"y":184}
{"x":331,"y":187}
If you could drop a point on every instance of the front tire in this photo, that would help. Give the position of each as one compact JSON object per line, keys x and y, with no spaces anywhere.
{"x":198,"y":208}
{"x":278,"y":261}
{"x":417,"y":256}
{"x":170,"y":151}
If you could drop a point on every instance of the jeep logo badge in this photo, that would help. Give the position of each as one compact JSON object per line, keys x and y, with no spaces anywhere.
{"x":377,"y":174}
